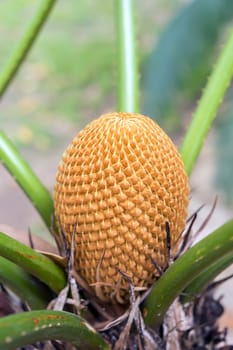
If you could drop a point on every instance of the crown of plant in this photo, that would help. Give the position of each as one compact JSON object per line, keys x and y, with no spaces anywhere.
{"x":118,"y":183}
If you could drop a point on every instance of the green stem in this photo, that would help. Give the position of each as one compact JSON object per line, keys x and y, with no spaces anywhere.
{"x":28,"y":181}
{"x":205,"y":278}
{"x":30,"y":327}
{"x":208,"y":105}
{"x":23,"y":285}
{"x":33,"y":262}
{"x":211,"y":250}
{"x":25,"y":44}
{"x":128,"y":75}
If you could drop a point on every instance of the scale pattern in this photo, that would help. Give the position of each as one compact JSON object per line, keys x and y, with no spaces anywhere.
{"x":117,"y":184}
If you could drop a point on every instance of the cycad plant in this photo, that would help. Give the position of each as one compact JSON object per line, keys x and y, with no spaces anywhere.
{"x":127,"y":275}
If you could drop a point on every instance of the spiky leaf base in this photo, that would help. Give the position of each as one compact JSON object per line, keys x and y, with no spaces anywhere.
{"x":185,"y":327}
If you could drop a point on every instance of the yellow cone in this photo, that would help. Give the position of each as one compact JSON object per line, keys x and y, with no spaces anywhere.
{"x":118,"y":183}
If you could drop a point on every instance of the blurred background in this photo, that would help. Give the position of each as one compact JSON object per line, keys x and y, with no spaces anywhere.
{"x":69,"y":78}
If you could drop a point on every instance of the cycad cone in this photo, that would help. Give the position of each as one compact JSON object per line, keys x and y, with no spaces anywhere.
{"x":118,"y":183}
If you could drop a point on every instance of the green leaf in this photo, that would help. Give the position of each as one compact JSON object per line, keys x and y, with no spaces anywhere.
{"x":33,"y":262}
{"x":206,"y":253}
{"x":23,"y":285}
{"x":177,"y":68}
{"x":34,"y":326}
{"x":26,"y":178}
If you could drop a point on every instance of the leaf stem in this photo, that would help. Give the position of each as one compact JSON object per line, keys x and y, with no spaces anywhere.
{"x":209,"y":251}
{"x":208,"y":106}
{"x":205,"y":278}
{"x":24,"y":45}
{"x":128,"y":75}
{"x":30,"y":327}
{"x":34,"y":294}
{"x":33,"y":262}
{"x":26,"y":178}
